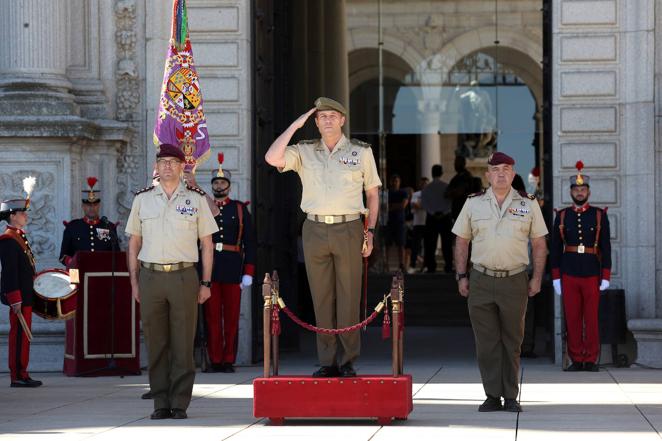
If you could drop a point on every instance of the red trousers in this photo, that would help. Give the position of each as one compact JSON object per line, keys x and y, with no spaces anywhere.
{"x":19,"y":346}
{"x":222,"y":315}
{"x":581,"y":301}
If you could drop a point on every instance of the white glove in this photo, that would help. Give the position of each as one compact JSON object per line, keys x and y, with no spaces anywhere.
{"x":604,"y":284}
{"x":557,"y":286}
{"x":246,"y":280}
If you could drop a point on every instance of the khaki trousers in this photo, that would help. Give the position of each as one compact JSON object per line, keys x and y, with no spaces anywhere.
{"x":333,"y":262}
{"x":497,"y":307}
{"x":169,"y":311}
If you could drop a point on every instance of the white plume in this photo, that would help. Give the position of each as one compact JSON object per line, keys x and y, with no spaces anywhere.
{"x":28,"y":184}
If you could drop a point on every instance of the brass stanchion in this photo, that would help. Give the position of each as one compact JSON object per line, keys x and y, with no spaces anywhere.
{"x":266,"y":324}
{"x":274,"y":337}
{"x":395,"y":312}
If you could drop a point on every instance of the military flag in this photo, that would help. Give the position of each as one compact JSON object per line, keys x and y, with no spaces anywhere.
{"x":180,"y":120}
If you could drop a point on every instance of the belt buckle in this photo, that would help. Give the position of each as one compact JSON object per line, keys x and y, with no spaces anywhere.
{"x":328,"y":220}
{"x":219,"y":247}
{"x":581,"y":249}
{"x":167,"y":267}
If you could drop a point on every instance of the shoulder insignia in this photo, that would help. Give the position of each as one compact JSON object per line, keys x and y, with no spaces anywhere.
{"x":196,"y":189}
{"x":360,"y":143}
{"x":308,"y":141}
{"x":144,"y":190}
{"x":527,"y":195}
{"x":478,"y":193}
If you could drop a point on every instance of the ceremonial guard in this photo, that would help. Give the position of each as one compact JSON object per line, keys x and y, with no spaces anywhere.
{"x":335,"y":173}
{"x":16,"y":289}
{"x":234,"y":267}
{"x":581,"y":268}
{"x":90,"y":233}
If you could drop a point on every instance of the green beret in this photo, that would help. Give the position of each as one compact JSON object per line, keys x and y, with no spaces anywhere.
{"x":324,"y":103}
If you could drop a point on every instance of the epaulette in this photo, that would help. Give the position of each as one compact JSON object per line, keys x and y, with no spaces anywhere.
{"x":308,"y":141}
{"x":65,"y":223}
{"x":196,"y":189}
{"x":478,"y":193}
{"x":527,"y":195}
{"x":358,"y":142}
{"x":143,"y":190}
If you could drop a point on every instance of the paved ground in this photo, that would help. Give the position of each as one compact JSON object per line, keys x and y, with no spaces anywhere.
{"x":618,"y":404}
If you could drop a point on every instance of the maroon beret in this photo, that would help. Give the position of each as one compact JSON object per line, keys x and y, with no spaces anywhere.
{"x":498,"y":158}
{"x":169,"y":150}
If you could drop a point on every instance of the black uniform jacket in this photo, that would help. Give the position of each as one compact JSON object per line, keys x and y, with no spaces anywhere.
{"x":581,"y":229}
{"x":229,"y":266}
{"x":18,"y":269}
{"x":88,"y":235}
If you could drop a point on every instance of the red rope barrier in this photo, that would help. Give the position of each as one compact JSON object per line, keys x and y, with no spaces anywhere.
{"x":312,"y":328}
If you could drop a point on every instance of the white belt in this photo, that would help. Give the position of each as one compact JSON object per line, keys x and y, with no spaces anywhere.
{"x":335,"y":219}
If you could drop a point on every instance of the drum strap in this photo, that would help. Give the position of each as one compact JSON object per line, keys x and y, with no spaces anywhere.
{"x":23,"y":243}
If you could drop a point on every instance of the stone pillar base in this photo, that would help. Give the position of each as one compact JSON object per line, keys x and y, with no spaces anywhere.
{"x":648,"y":334}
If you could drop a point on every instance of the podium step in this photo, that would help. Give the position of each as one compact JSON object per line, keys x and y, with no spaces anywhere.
{"x":382,"y":397}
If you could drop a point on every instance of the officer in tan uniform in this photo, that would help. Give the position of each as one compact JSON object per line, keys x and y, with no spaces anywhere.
{"x":164,"y":226}
{"x":499,"y":222}
{"x":334,"y":172}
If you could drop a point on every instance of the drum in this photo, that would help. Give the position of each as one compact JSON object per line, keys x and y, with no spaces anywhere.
{"x":55,"y":295}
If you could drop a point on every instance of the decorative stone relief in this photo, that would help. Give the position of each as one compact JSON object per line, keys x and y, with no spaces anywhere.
{"x":128,"y":103}
{"x":42,"y":228}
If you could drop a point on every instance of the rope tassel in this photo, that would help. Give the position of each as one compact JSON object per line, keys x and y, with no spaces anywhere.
{"x":386,"y":326}
{"x":275,"y":321}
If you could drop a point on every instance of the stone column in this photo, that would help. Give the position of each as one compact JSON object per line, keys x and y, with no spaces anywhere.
{"x":336,"y":61}
{"x":33,"y":58}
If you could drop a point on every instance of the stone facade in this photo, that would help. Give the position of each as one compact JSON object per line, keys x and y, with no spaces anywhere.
{"x":79,"y":86}
{"x":604,"y":113}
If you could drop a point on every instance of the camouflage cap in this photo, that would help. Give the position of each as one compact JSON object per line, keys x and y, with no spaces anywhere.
{"x":324,"y":103}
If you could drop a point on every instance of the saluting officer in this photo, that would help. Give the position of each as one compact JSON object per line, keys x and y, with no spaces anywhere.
{"x":334,"y":172}
{"x":581,"y":268}
{"x":165,"y":225}
{"x":16,"y":288}
{"x":234,"y":267}
{"x":90,"y":233}
{"x":499,"y":222}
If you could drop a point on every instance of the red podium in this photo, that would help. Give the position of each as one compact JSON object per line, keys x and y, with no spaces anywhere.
{"x":103,"y":337}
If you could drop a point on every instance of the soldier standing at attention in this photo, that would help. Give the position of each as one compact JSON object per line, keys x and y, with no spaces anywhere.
{"x":88,"y":233}
{"x":334,"y":172}
{"x":165,"y":225}
{"x":16,"y":288}
{"x":499,"y":222}
{"x":581,"y":268}
{"x":234,"y":267}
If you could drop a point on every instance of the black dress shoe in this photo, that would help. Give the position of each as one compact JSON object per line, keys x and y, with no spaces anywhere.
{"x":511,"y":405}
{"x":179,"y":414}
{"x":216,"y":367}
{"x":147,"y":395}
{"x":161,"y":414}
{"x":26,"y":382}
{"x":227,"y":368}
{"x":491,"y":404}
{"x":326,"y":371}
{"x":575,"y":367}
{"x":591,"y":367}
{"x":347,"y":370}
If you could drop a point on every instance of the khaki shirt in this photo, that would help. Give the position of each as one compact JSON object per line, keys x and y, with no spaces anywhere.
{"x":333,"y":182}
{"x":500,"y":236}
{"x":170,"y":229}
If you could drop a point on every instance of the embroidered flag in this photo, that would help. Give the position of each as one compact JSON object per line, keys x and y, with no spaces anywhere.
{"x":180,"y":120}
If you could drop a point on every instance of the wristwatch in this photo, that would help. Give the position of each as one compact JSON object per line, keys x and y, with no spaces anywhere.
{"x":459,"y":276}
{"x":371,"y":230}
{"x":205,"y":283}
